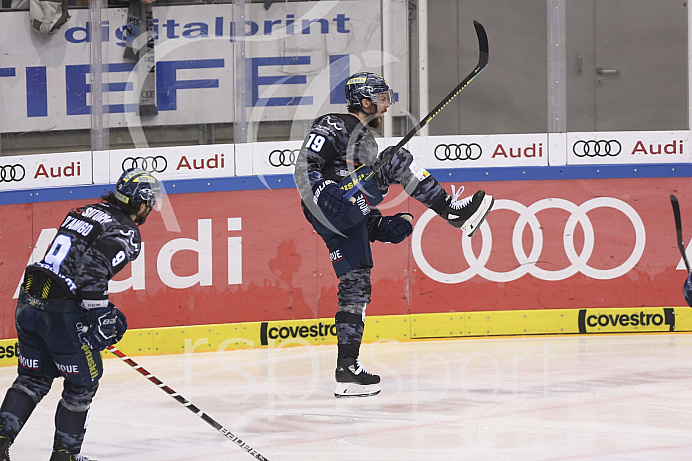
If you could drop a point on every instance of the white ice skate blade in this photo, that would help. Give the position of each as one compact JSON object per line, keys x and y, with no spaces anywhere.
{"x":356,"y":390}
{"x":474,"y":222}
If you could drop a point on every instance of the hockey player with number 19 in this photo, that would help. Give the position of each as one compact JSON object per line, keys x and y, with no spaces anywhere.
{"x":335,"y":155}
{"x":64,"y":318}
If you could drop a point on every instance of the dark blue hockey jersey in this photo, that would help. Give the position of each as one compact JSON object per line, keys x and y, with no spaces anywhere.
{"x":93,"y":243}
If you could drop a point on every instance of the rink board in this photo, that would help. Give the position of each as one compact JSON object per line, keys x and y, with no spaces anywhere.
{"x":548,"y":244}
{"x":290,"y":333}
{"x":560,"y":254}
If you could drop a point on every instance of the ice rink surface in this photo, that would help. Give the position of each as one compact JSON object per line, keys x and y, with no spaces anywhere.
{"x":599,"y":397}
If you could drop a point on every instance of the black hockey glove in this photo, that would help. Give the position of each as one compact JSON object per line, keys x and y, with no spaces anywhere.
{"x":393,"y":229}
{"x":108,"y":325}
{"x":330,"y":198}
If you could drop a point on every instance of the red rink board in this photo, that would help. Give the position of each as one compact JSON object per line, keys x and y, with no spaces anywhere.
{"x":286,"y":273}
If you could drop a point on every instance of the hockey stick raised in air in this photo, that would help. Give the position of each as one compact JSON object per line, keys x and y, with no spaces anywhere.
{"x":482,"y":62}
{"x":678,"y":229}
{"x":186,"y":403}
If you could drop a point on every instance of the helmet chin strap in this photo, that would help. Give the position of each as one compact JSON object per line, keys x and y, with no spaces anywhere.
{"x":374,"y":105}
{"x":370,"y":119}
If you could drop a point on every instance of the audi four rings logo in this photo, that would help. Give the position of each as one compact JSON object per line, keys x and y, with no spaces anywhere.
{"x":579,"y":261}
{"x":285,"y":157}
{"x":462,"y":151}
{"x":9,"y":173}
{"x":156,"y":164}
{"x":597,"y":148}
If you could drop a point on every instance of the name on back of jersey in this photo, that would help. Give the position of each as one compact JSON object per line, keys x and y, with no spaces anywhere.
{"x":97,"y":215}
{"x":77,"y":225}
{"x":74,"y":223}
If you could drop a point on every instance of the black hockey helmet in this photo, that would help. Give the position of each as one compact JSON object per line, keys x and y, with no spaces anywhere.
{"x":137,"y":185}
{"x":366,"y":85}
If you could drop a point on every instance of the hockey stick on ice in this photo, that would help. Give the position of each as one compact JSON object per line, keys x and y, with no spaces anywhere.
{"x":482,"y":62}
{"x":678,"y":229}
{"x":208,"y":419}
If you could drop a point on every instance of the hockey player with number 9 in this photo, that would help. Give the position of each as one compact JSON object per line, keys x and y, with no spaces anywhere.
{"x":64,"y":318}
{"x":337,"y":153}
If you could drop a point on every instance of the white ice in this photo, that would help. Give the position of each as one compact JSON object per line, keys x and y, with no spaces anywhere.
{"x":614,"y":397}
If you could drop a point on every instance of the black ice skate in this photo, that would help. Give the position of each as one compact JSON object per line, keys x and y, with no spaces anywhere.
{"x":353,"y":380}
{"x":468,"y":213}
{"x":62,"y":455}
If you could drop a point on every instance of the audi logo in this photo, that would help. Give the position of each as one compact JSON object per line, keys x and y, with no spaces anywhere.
{"x":597,"y":148}
{"x":285,"y":157}
{"x":579,"y":261}
{"x":156,"y":164}
{"x":458,"y":151}
{"x":149,"y":94}
{"x":9,"y":173}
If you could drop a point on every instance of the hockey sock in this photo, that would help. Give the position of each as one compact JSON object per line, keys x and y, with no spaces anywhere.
{"x":430,"y":193}
{"x":70,"y":427}
{"x":355,"y":286}
{"x":349,"y":332}
{"x":418,"y":183}
{"x":14,"y":412}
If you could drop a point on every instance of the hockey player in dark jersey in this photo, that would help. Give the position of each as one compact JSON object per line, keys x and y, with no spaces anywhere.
{"x":335,"y":155}
{"x":64,"y":318}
